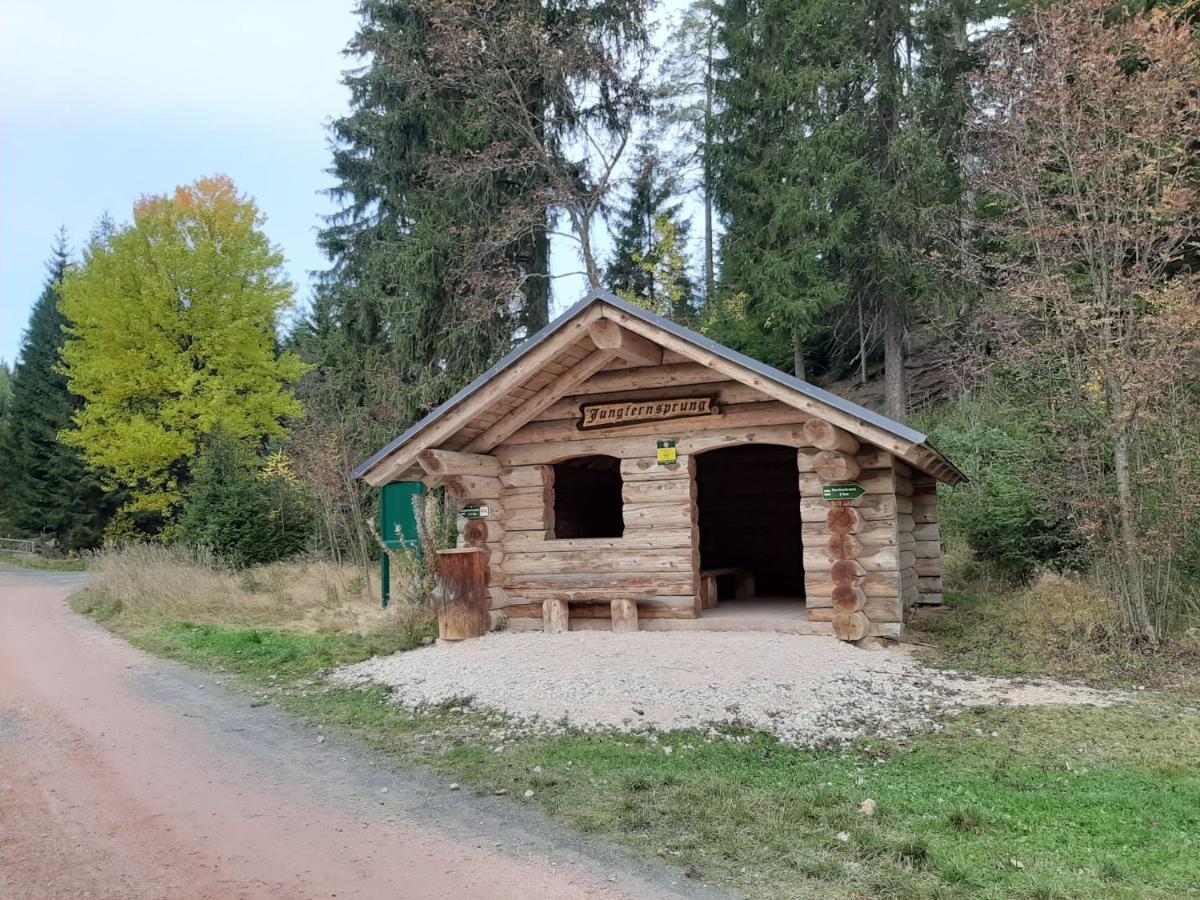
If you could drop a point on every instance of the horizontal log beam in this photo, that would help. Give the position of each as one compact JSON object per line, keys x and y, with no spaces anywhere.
{"x":451,"y":462}
{"x":740,"y":415}
{"x":726,"y":392}
{"x":629,"y":447}
{"x":634,"y":539}
{"x":633,"y":348}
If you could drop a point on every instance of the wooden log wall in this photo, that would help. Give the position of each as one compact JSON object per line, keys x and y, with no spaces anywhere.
{"x":652,"y":564}
{"x":927,"y":541}
{"x":853,"y":559}
{"x":864,"y":560}
{"x":656,"y":561}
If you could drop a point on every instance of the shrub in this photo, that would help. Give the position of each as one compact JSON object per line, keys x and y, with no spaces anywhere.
{"x":1004,"y":512}
{"x":248,"y":512}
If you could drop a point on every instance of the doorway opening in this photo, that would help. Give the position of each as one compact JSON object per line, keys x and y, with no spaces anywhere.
{"x":748,"y":499}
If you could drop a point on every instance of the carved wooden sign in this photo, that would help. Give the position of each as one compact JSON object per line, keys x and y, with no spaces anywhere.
{"x":633,"y":412}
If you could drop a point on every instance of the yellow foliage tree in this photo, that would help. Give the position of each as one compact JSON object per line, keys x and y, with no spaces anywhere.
{"x":173,"y":335}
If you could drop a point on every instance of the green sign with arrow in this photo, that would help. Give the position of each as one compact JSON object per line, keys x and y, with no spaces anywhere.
{"x":842,"y":491}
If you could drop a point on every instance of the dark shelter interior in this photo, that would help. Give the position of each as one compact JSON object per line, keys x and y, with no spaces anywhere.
{"x":749,"y":505}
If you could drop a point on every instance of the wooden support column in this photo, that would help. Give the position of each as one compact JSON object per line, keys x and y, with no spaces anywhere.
{"x":624,"y":615}
{"x":846,"y":573}
{"x":556,"y":615}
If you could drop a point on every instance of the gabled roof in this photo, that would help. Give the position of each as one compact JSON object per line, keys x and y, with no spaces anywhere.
{"x":906,"y":443}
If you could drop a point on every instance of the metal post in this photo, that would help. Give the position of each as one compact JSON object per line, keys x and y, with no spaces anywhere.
{"x":385,"y":574}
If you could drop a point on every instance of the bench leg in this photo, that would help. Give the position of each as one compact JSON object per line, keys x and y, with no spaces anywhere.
{"x":556,"y":615}
{"x":708,"y":591}
{"x":745,"y":586}
{"x":624,"y":615}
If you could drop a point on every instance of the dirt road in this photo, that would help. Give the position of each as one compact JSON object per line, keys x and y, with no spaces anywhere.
{"x":128,"y":777}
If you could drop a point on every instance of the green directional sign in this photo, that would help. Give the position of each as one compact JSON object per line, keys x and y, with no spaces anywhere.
{"x":842,"y":491}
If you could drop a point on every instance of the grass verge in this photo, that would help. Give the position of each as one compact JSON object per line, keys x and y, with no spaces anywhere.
{"x":44,"y":563}
{"x":1004,"y":803}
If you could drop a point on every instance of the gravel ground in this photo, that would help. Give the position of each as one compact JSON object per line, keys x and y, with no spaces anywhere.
{"x":807,"y":691}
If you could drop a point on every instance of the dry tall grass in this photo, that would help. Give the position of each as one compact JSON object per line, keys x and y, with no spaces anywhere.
{"x":149,"y":585}
{"x":1059,"y":626}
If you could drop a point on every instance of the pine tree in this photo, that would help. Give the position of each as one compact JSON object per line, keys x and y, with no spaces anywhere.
{"x":640,"y":262}
{"x":837,"y":166}
{"x":419,"y":295}
{"x":249,"y":513}
{"x":46,"y":489}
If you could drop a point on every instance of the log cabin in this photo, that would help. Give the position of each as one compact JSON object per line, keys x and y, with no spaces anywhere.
{"x":621,"y":471}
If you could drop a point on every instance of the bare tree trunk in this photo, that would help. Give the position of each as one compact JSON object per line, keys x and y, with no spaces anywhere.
{"x":583,"y":229}
{"x":894,"y":387}
{"x":1135,"y":578}
{"x":710,"y":278}
{"x":537,"y":283}
{"x":862,"y":344}
{"x":798,"y":354}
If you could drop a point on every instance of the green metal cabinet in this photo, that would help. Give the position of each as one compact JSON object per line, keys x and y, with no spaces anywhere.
{"x":397,"y":525}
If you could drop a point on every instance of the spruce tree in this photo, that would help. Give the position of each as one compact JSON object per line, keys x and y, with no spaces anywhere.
{"x":47,"y":491}
{"x":5,"y":388}
{"x":650,"y":211}
{"x":791,"y":129}
{"x":420,"y":292}
{"x":248,"y":513}
{"x":837,"y":170}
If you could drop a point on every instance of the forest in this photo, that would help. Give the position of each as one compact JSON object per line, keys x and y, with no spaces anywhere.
{"x":976,"y":216}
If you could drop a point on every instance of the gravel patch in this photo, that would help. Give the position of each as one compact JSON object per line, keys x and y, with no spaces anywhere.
{"x":806,"y":691}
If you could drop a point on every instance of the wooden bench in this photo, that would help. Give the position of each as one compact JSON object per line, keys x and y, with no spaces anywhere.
{"x":708,"y":584}
{"x":623,"y":609}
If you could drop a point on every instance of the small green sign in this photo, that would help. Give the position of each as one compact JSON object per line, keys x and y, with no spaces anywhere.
{"x":475,"y":512}
{"x":842,"y":491}
{"x":667,"y":454}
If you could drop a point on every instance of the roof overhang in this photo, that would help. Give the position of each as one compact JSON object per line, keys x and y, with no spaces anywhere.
{"x":905,"y":443}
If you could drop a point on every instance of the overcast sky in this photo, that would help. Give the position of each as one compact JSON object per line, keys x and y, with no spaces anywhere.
{"x":101,"y":103}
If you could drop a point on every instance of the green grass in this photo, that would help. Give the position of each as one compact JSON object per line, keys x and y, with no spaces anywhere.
{"x":1061,"y":803}
{"x":257,"y":653}
{"x":1003,"y":803}
{"x":44,"y":563}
